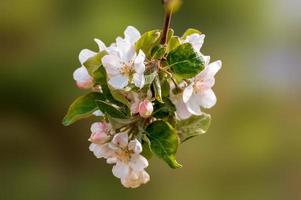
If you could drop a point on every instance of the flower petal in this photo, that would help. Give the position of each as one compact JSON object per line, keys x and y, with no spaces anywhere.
{"x":135,"y":146}
{"x":119,"y":81}
{"x":139,"y":62}
{"x":132,"y":34}
{"x":210,"y":70}
{"x":100,"y":44}
{"x":139,"y":80}
{"x":85,"y":54}
{"x":126,"y":51}
{"x":196,"y":40}
{"x":193,"y":105}
{"x":120,"y":170}
{"x":112,"y":64}
{"x":207,"y":99}
{"x":138,"y":162}
{"x":121,"y":139}
{"x":187,"y":93}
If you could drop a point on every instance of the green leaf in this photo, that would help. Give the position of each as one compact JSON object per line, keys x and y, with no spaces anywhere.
{"x":164,"y":142}
{"x":147,"y":41}
{"x":190,"y":31}
{"x":149,"y":80}
{"x":118,"y":96}
{"x":109,"y":109}
{"x":193,"y":126}
{"x":93,"y":63}
{"x":146,"y":148}
{"x":117,"y":123}
{"x":165,"y":88}
{"x":173,"y":43}
{"x":185,"y":62}
{"x":100,"y":77}
{"x":82,"y":107}
{"x":164,"y":110}
{"x":158,"y":52}
{"x":157,"y":89}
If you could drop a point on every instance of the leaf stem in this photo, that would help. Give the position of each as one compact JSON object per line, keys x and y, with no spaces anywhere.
{"x":167,"y":20}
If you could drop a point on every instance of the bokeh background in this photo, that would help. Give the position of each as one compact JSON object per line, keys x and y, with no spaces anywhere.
{"x":251,"y":151}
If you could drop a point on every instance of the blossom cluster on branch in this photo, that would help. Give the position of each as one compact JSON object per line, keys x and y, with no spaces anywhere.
{"x":146,"y":96}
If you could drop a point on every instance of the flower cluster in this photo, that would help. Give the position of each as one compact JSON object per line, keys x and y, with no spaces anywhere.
{"x":148,"y":97}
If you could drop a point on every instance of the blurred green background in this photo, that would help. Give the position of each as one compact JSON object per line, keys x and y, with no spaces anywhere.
{"x":251,"y":151}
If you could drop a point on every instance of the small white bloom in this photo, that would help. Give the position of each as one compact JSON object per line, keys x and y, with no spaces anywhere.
{"x":129,"y":164}
{"x":181,"y":109}
{"x":81,"y":75}
{"x":122,"y":63}
{"x":199,"y":93}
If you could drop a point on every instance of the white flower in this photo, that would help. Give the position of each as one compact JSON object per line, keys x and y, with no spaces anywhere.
{"x":122,"y":63}
{"x":196,"y":40}
{"x":81,"y":75}
{"x":129,"y":164}
{"x":199,"y":93}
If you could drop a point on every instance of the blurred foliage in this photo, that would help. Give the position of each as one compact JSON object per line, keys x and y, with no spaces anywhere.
{"x":251,"y":151}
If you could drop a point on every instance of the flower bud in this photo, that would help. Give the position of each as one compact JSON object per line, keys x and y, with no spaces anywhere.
{"x":99,"y":133}
{"x":145,"y":108}
{"x":82,"y":78}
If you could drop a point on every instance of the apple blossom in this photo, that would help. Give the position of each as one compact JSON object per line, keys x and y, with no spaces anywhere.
{"x":81,"y":75}
{"x":199,"y":93}
{"x":147,"y":92}
{"x":122,"y":63}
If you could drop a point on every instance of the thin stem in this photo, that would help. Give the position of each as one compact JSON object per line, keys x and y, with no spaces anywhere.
{"x":167,"y":19}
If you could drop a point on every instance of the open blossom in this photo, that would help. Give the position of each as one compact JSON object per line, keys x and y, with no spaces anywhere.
{"x":196,"y":40}
{"x":129,"y":164}
{"x":199,"y":93}
{"x":122,"y":63}
{"x":81,"y":75}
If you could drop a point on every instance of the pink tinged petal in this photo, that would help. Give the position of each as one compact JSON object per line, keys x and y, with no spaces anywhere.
{"x":119,"y":81}
{"x":193,"y":105}
{"x":82,"y":78}
{"x":112,"y":64}
{"x":196,"y":40}
{"x":138,"y":162}
{"x":135,"y":146}
{"x":101,"y":45}
{"x":99,"y":151}
{"x":187,"y":93}
{"x":121,"y":140}
{"x":207,"y":99}
{"x":135,"y":107}
{"x":131,"y":180}
{"x":132,"y":34}
{"x":120,"y":170}
{"x":146,"y":108}
{"x":182,"y":111}
{"x":206,"y":60}
{"x":112,"y":160}
{"x":144,"y":176}
{"x":139,"y":80}
{"x":85,"y":54}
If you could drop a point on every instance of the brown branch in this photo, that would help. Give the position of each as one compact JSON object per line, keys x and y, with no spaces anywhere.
{"x":167,"y":19}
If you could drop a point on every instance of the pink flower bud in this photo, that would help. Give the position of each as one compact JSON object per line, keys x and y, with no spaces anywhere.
{"x":82,"y":78}
{"x":99,"y":133}
{"x":145,"y":108}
